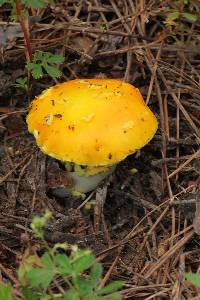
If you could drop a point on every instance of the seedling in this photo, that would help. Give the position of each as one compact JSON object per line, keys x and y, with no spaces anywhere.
{"x":57,"y":276}
{"x":22,"y":83}
{"x":19,"y":13}
{"x":42,"y":61}
{"x":194,"y":278}
{"x":36,"y":3}
{"x":183,"y":10}
{"x":27,"y":3}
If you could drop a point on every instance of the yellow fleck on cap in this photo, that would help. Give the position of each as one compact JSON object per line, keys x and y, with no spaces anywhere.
{"x":94,"y":122}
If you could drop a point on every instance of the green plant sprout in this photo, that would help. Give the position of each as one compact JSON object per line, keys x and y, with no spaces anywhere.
{"x":194,"y":278}
{"x":58,"y":276}
{"x":38,"y":224}
{"x":22,"y":83}
{"x":19,"y":13}
{"x":42,"y":61}
{"x":28,"y":3}
{"x":183,"y":10}
{"x":36,"y":3}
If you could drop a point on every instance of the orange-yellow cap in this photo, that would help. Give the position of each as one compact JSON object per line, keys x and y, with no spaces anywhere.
{"x":94,"y":122}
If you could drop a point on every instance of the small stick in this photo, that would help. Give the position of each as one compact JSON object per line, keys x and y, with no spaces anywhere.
{"x":9,"y":274}
{"x":193,"y":156}
{"x":24,"y":30}
{"x":109,"y":272}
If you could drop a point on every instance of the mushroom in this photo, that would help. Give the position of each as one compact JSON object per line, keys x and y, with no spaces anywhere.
{"x":91,"y":125}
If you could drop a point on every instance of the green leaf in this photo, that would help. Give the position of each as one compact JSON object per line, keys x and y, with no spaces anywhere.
{"x":52,"y":71}
{"x":30,"y":66}
{"x":47,"y":57}
{"x":47,"y":261}
{"x":114,"y":297}
{"x":44,"y":296}
{"x":83,"y":263}
{"x":95,"y":274}
{"x":34,"y":3}
{"x":25,"y":267}
{"x":172,"y":16}
{"x":5,"y":292}
{"x":44,"y":60}
{"x":38,"y":223}
{"x":2,"y":2}
{"x":21,"y":82}
{"x":57,"y":297}
{"x":36,"y":70}
{"x":28,"y":294}
{"x":55,"y":59}
{"x":111,"y":288}
{"x":84,"y":286}
{"x":40,"y":277}
{"x":194,"y":278}
{"x":190,"y":17}
{"x":71,"y":295}
{"x":63,"y":264}
{"x":39,"y":56}
{"x":111,"y":297}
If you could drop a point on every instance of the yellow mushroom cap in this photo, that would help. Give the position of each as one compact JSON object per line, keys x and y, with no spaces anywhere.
{"x":94,"y":122}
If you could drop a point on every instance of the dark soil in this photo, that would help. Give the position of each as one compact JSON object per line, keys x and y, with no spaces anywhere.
{"x":146,"y":230}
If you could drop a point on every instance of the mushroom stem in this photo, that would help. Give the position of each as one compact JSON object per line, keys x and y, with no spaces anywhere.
{"x":85,"y":184}
{"x":82,"y":184}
